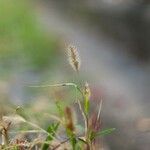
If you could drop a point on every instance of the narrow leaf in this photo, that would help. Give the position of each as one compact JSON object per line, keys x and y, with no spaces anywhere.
{"x":51,"y":130}
{"x":102,"y":133}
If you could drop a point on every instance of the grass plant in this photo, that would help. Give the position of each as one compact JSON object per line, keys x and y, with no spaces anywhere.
{"x":62,"y":131}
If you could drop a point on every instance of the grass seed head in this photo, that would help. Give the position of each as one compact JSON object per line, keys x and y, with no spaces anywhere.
{"x":69,"y":119}
{"x":87,"y":91}
{"x":73,"y":57}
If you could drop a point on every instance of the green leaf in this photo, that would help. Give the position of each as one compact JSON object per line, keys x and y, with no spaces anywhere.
{"x":86,"y":105}
{"x":72,"y":138}
{"x":74,"y":142}
{"x":102,"y":133}
{"x":51,"y":130}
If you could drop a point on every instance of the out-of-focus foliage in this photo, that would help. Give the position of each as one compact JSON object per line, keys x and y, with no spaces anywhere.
{"x":22,"y":42}
{"x":123,"y":21}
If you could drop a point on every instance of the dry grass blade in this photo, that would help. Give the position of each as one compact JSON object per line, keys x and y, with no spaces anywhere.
{"x":99,"y":111}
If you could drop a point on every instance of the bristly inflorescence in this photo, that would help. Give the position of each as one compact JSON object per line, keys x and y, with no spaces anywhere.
{"x":87,"y":91}
{"x":73,"y":57}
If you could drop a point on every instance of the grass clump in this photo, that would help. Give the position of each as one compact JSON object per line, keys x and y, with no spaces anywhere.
{"x":63,"y":131}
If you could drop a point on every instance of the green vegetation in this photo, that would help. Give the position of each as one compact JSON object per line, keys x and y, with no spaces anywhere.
{"x":61,"y":117}
{"x":62,"y":129}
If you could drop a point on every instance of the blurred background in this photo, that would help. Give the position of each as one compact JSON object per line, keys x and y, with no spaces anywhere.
{"x":112,"y":37}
